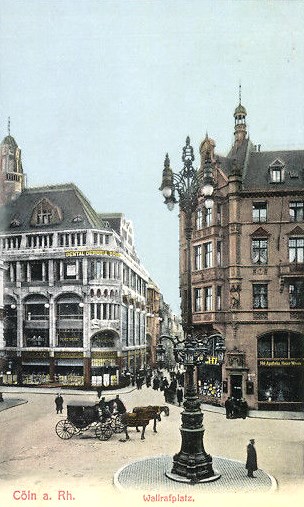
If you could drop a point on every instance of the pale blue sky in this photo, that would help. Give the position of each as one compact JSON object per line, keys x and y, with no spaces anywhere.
{"x":99,"y":91}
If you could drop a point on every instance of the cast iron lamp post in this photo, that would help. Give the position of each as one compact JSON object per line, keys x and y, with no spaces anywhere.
{"x":192,"y":464}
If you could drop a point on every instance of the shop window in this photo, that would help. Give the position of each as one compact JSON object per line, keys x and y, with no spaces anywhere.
{"x":296,"y":346}
{"x":281,"y":346}
{"x":36,"y":311}
{"x":69,"y":338}
{"x":103,"y":340}
{"x":69,"y":310}
{"x":265,"y":347}
{"x":37,"y":339}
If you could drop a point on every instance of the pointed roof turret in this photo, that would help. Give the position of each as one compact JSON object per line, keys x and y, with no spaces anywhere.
{"x":240,"y":114}
{"x":12,"y":177}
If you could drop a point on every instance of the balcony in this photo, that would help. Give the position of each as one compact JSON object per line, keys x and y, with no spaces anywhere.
{"x":37,"y":341}
{"x":291,"y":269}
{"x":208,"y":274}
{"x":105,"y":324}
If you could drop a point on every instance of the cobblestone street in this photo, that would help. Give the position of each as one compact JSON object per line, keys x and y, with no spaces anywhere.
{"x":35,"y":460}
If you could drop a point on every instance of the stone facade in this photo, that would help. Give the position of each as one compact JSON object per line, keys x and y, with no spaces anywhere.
{"x":75,"y":291}
{"x":248,"y":271}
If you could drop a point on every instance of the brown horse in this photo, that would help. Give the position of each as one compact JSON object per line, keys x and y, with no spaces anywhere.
{"x":152,"y":412}
{"x":133,"y":419}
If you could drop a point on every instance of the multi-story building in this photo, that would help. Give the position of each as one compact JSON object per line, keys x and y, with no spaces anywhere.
{"x":248,"y":270}
{"x":153,"y":321}
{"x":74,"y":290}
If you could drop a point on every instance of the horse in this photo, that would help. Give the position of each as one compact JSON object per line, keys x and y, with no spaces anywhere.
{"x":152,"y":412}
{"x":133,"y":419}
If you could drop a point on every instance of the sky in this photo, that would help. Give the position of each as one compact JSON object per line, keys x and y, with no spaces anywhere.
{"x":98,"y":91}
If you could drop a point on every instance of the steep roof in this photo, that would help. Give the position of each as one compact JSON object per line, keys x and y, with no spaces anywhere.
{"x":257,"y":176}
{"x":75,"y":210}
{"x":113,"y":219}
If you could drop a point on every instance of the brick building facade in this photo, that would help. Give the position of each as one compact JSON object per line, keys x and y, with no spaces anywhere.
{"x":248,"y":272}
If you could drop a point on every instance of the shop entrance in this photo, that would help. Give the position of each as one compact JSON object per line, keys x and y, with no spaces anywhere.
{"x":236,"y":386}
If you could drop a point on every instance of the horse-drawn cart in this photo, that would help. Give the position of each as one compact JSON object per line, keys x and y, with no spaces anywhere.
{"x":84,"y":416}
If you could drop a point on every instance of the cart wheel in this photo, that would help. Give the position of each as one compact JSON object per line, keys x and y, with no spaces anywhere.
{"x":103,"y":431}
{"x":119,"y":426}
{"x":65,"y":429}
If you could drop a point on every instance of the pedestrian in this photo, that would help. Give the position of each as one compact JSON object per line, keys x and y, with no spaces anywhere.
{"x":179,"y":396}
{"x":59,"y":403}
{"x":229,"y":408}
{"x":243,"y":408}
{"x":155,"y":383}
{"x":251,"y":463}
{"x":166,"y":394}
{"x":99,"y":391}
{"x":148,"y":380}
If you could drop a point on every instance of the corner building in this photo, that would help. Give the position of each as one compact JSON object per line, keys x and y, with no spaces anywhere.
{"x":74,"y":288}
{"x":248,"y":272}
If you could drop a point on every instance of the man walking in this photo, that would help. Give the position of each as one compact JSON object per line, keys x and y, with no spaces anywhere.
{"x":251,"y":463}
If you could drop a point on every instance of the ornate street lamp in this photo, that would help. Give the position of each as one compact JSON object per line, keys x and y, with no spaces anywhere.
{"x":192,"y":464}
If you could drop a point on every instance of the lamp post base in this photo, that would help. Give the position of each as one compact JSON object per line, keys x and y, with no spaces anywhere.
{"x":180,"y":478}
{"x":192,"y":468}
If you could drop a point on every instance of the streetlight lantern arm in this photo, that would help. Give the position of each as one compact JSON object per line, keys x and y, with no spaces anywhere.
{"x":167,"y":178}
{"x":173,"y":339}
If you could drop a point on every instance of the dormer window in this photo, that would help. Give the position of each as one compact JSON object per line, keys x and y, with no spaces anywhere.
{"x":15,"y":222}
{"x":277,"y":170}
{"x":77,"y":219}
{"x":45,"y":213}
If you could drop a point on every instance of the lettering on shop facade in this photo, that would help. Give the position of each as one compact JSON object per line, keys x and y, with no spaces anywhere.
{"x":281,"y":362}
{"x":89,"y":253}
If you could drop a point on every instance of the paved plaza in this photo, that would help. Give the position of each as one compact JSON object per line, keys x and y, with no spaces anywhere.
{"x":34,"y":457}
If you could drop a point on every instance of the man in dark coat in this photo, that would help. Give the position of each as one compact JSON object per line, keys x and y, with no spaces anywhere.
{"x":243,"y":408}
{"x":251,"y":463}
{"x":229,"y":408}
{"x":59,"y":403}
{"x":179,"y":396}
